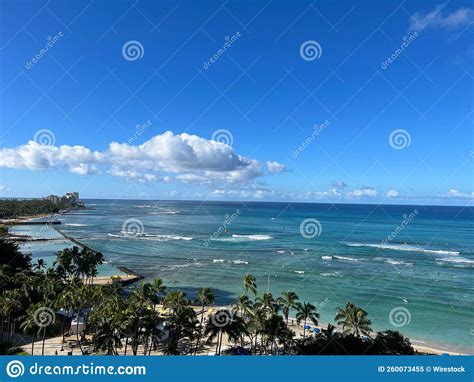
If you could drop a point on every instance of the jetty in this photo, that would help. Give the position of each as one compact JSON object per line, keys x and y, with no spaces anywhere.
{"x":129,"y":277}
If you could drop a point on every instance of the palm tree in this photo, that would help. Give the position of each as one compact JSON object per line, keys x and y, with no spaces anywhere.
{"x":256,"y":324}
{"x":250,"y":284}
{"x":243,"y":306}
{"x":353,"y":320}
{"x":65,"y":301}
{"x":287,"y":301}
{"x":205,"y":297}
{"x":182,"y":320}
{"x":39,"y":265}
{"x":107,"y":334}
{"x":304,"y":312}
{"x":268,"y":303}
{"x":159,"y":290}
{"x":275,"y":330}
{"x":234,"y":328}
{"x":64,"y":262}
{"x":29,"y":325}
{"x":12,"y":305}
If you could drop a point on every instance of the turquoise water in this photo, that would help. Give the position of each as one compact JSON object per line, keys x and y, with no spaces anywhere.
{"x":417,"y":260}
{"x":47,"y":249}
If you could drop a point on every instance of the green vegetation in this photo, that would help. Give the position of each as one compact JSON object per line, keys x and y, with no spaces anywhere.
{"x":12,"y":208}
{"x":153,"y":318}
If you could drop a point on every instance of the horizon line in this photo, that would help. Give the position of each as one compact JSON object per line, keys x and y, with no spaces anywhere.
{"x":249,"y":201}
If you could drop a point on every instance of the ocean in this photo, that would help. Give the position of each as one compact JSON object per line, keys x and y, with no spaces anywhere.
{"x":410,"y":267}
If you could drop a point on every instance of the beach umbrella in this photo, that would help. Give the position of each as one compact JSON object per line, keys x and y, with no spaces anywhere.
{"x":316,"y":330}
{"x":307,"y":327}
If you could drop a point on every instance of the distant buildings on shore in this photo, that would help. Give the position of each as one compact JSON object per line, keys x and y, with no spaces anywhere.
{"x":71,"y":199}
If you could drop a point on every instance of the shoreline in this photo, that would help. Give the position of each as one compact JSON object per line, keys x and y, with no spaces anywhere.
{"x":127,"y":279}
{"x":133,"y":276}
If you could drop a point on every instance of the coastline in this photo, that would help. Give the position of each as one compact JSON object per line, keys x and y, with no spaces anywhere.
{"x":133,"y":276}
{"x":127,"y":279}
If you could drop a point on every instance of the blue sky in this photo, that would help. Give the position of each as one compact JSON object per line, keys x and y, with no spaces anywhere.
{"x":355,"y":102}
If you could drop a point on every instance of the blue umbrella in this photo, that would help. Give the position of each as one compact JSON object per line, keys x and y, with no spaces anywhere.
{"x":307,"y":327}
{"x":315,"y":330}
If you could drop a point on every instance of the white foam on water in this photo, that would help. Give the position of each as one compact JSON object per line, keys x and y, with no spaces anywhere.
{"x":253,"y":237}
{"x":457,"y":260}
{"x":240,"y":238}
{"x":328,"y":274}
{"x":394,"y":262}
{"x":344,"y":258}
{"x":404,"y":247}
{"x":146,"y":236}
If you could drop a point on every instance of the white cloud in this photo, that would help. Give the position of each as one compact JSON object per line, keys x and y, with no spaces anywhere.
{"x":437,"y":19}
{"x":245,"y":193}
{"x":275,"y":167}
{"x":189,"y":157}
{"x":83,"y":169}
{"x":392,"y":193}
{"x":338,"y":184}
{"x":362,"y":192}
{"x":456,"y":194}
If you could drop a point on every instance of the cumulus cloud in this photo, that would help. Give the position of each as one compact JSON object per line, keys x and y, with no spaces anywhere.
{"x":456,"y":194}
{"x":392,"y":193}
{"x":189,"y":157}
{"x":362,"y":192}
{"x":339,"y":184}
{"x":437,"y":18}
{"x":275,"y":167}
